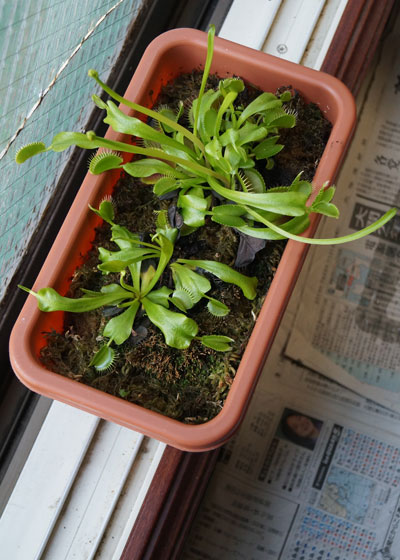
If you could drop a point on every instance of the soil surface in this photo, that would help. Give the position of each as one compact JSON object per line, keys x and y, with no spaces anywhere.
{"x":189,"y":385}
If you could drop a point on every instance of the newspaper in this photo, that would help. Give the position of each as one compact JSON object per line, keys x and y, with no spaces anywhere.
{"x":314,"y":472}
{"x":352,"y":332}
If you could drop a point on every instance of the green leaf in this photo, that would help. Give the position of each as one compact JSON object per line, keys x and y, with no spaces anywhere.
{"x":227,"y":102}
{"x":125,"y":239}
{"x":248,"y":133}
{"x":50,"y":300}
{"x":119,"y":328}
{"x":236,"y":156}
{"x":226,"y":220}
{"x":210,"y":98}
{"x":230,"y":136}
{"x":99,"y":102}
{"x":128,"y":255}
{"x":253,"y":181}
{"x":228,"y":210}
{"x":301,"y":186}
{"x":217,"y":308}
{"x":103,"y":359}
{"x":189,"y":280}
{"x":207,"y":125}
{"x":207,"y":114}
{"x":295,"y":225}
{"x":165,"y":185}
{"x":109,"y":289}
{"x":226,"y":274}
{"x":177,"y":329}
{"x":289,"y":203}
{"x":117,"y":261}
{"x":231,"y":84}
{"x":169,"y":114}
{"x":278,"y":118}
{"x":167,"y":248}
{"x":261,"y":103}
{"x":286,"y":96}
{"x":327,"y":194}
{"x":164,"y":227}
{"x":193,"y":206}
{"x":64,"y":140}
{"x":135,"y":269}
{"x":182,"y":299}
{"x":162,"y":222}
{"x":322,"y":203}
{"x":251,"y":132}
{"x":217,"y":342}
{"x":105,"y":211}
{"x":228,"y":215}
{"x":194,"y":198}
{"x":147,"y":278}
{"x":326,"y":208}
{"x":148,"y":166}
{"x":160,"y":296}
{"x":104,"y":161}
{"x":29,"y":151}
{"x":324,"y":195}
{"x":193,"y":218}
{"x":186,"y":163}
{"x":268,"y":148}
{"x":206,"y":72}
{"x":121,"y":122}
{"x":214,"y":153}
{"x":285,"y":121}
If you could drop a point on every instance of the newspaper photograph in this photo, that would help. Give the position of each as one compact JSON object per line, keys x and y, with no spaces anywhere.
{"x":348,"y":322}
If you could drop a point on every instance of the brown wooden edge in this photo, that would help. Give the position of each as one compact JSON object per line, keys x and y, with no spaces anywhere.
{"x":356,"y":39}
{"x":170,"y":505}
{"x":181,"y":478}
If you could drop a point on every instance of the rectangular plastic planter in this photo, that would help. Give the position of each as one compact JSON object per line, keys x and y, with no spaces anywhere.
{"x":169,"y":55}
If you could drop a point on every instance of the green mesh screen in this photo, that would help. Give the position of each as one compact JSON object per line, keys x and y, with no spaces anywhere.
{"x":46,"y":48}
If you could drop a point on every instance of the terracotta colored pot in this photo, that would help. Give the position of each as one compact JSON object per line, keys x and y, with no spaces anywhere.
{"x":166,"y":57}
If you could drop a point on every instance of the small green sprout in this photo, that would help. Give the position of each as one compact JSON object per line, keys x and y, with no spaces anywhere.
{"x":144,"y":294}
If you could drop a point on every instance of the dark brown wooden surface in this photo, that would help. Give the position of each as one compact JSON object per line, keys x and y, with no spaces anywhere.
{"x":356,"y":39}
{"x":170,"y":505}
{"x":181,"y":478}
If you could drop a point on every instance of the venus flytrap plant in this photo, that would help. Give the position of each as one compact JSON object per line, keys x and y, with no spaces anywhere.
{"x":142,"y":293}
{"x":223,"y":139}
{"x":217,"y":159}
{"x":232,"y":140}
